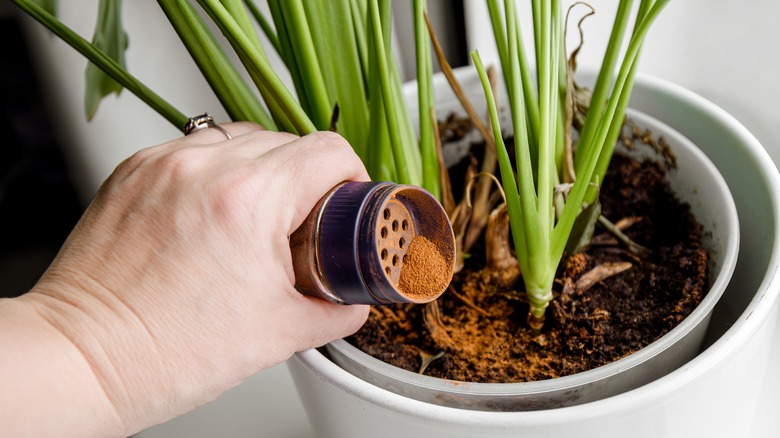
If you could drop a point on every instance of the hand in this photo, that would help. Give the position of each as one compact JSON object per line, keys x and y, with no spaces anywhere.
{"x":177,"y":283}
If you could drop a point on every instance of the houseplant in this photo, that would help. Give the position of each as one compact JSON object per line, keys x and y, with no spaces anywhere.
{"x":465,"y":349}
{"x":580,"y":388}
{"x":701,"y":398}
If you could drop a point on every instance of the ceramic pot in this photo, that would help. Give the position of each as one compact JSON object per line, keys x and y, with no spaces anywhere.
{"x":342,"y":404}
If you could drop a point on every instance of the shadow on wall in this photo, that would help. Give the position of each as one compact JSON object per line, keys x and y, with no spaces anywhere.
{"x":38,"y":205}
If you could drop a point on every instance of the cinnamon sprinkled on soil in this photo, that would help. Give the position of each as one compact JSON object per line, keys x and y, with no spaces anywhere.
{"x":480,"y":325}
{"x":424,"y":273}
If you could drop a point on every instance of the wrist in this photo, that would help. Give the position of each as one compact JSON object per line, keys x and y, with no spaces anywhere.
{"x":113,"y":346}
{"x":46,"y":383}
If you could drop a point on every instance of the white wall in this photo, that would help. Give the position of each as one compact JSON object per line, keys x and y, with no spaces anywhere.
{"x":725,"y":50}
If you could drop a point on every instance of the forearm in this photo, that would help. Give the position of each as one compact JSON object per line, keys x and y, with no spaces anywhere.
{"x":143,"y":371}
{"x":47,"y":387}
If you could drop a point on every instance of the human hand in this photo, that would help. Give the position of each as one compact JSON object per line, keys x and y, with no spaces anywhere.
{"x":177,"y":283}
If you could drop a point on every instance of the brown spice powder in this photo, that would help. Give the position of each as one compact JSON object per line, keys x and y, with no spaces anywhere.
{"x":425,"y":273}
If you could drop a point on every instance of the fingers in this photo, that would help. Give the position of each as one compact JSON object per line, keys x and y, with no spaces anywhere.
{"x":306,"y":169}
{"x":300,"y":169}
{"x":249,"y":141}
{"x":256,"y":143}
{"x":329,"y":322}
{"x":214,"y":135}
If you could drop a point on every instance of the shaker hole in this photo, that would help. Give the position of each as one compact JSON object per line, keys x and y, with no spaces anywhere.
{"x":395,"y":225}
{"x":395,"y":260}
{"x":405,"y":225}
{"x":386,"y":213}
{"x":401,"y":243}
{"x":383,"y":254}
{"x":383,"y":232}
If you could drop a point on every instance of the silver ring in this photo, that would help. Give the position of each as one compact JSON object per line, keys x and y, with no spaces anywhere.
{"x":203,"y":121}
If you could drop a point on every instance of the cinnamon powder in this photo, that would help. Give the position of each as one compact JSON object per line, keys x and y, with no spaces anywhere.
{"x":425,"y":273}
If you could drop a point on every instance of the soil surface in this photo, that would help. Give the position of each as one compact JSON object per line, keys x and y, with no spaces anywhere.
{"x":477,"y":330}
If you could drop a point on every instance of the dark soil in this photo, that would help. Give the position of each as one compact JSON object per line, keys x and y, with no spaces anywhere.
{"x":480,"y":326}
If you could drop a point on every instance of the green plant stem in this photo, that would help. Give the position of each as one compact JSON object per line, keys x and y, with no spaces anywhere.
{"x":229,"y":87}
{"x":285,"y":109}
{"x":287,"y":53}
{"x":640,"y":29}
{"x":527,"y":80}
{"x":312,"y":80}
{"x":617,"y":100}
{"x":339,"y":59}
{"x":537,"y":267}
{"x":377,"y":42}
{"x":105,"y":63}
{"x":110,"y":38}
{"x":358,"y":12}
{"x":428,"y":148}
{"x":604,"y":81}
{"x":529,"y":238}
{"x":549,"y":98}
{"x":264,"y":25}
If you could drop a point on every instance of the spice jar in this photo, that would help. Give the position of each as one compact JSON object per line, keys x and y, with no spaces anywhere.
{"x":374,"y":243}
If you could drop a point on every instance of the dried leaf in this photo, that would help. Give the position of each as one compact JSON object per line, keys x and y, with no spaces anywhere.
{"x":426,"y":359}
{"x":482,"y":205}
{"x":498,"y":252}
{"x":435,"y":325}
{"x":460,"y":218}
{"x":600,"y":273}
{"x":467,"y":301}
{"x":584,"y":226}
{"x":447,"y":198}
{"x":334,"y":118}
{"x":622,"y":238}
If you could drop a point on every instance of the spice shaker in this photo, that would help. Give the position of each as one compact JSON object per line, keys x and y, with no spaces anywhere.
{"x":374,"y":243}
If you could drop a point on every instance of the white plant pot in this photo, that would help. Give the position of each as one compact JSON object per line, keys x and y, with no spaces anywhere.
{"x":699,"y":398}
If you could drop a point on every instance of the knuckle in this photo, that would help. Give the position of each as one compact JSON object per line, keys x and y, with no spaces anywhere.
{"x":336,"y":151}
{"x":181,"y":163}
{"x":244,"y":126}
{"x":272,"y":137}
{"x":134,"y":161}
{"x":330,"y":140}
{"x":232,"y":195}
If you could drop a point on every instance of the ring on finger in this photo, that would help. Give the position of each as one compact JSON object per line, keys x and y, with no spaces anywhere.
{"x":203,"y":121}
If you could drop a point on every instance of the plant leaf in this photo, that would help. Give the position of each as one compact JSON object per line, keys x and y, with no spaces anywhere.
{"x":584,"y":226}
{"x":89,"y":51}
{"x":49,"y":6}
{"x":111,"y":39}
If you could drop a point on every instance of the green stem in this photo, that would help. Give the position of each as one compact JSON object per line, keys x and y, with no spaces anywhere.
{"x":531,"y":235}
{"x":385,"y":81}
{"x":604,"y":81}
{"x":291,"y":114}
{"x":616,"y":103}
{"x":320,"y":109}
{"x":337,"y":52}
{"x":530,"y":244}
{"x":229,"y":87}
{"x":428,"y":148}
{"x":264,"y":25}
